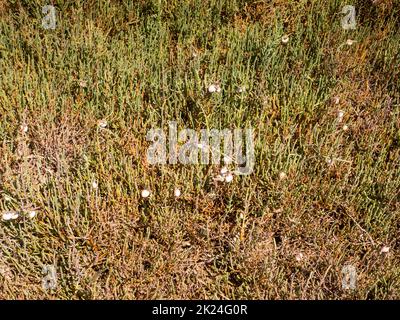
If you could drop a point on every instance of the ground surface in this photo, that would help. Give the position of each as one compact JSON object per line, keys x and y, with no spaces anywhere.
{"x":324,"y":193}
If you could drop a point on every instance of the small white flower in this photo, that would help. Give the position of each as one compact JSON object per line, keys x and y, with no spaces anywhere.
{"x":200,"y":146}
{"x":329,"y":161}
{"x":385,"y":249}
{"x":31,"y":214}
{"x":345,"y":127}
{"x":145,"y":193}
{"x":340,"y":115}
{"x":82,"y":83}
{"x":241,"y":89}
{"x":10,"y":215}
{"x":224,"y":170}
{"x":219,"y":178}
{"x":102,"y":123}
{"x":350,"y":42}
{"x":241,"y":216}
{"x":282,"y":175}
{"x":285,"y":39}
{"x":229,"y":178}
{"x":24,"y":128}
{"x":214,"y":88}
{"x":186,"y":244}
{"x":299,"y":256}
{"x":177,"y":192}
{"x":95,"y":185}
{"x":7,"y":198}
{"x":336,"y":100}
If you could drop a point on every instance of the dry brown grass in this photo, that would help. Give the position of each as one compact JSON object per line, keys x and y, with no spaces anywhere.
{"x":260,"y":237}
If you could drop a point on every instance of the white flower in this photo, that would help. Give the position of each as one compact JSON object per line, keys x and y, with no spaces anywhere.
{"x":10,"y":215}
{"x":145,"y":193}
{"x":241,"y":89}
{"x":177,"y":192}
{"x":285,"y":39}
{"x":345,"y":127}
{"x":219,"y":178}
{"x":329,"y":161}
{"x":102,"y":123}
{"x":24,"y":128}
{"x":224,"y":170}
{"x":336,"y":100}
{"x":7,"y":198}
{"x":229,"y":178}
{"x":241,"y":216}
{"x":214,"y":88}
{"x":83,"y":84}
{"x":95,"y":185}
{"x":350,"y":42}
{"x":31,"y":214}
{"x":299,"y":256}
{"x":340,"y":115}
{"x":212,"y":195}
{"x":200,"y":146}
{"x":282,"y":175}
{"x":385,"y":249}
